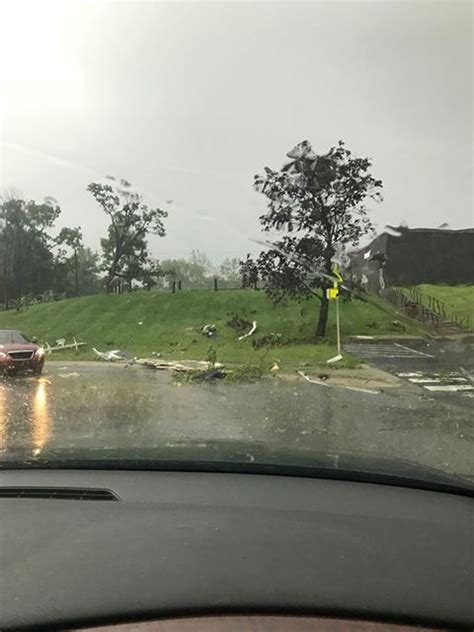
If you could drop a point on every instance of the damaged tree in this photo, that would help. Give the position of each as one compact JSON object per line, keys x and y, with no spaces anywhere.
{"x":319,"y":202}
{"x":131,"y":220}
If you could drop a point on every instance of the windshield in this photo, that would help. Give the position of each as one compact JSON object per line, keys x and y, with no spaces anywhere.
{"x":241,"y":234}
{"x":11,"y":337}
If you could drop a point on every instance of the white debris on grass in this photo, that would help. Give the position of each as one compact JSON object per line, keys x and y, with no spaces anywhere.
{"x":63,"y":346}
{"x":252,"y":331}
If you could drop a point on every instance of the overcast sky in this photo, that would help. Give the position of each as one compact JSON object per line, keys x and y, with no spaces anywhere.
{"x":189,"y":100}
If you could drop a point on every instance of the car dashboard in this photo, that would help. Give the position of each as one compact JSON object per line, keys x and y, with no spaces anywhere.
{"x":84,"y":548}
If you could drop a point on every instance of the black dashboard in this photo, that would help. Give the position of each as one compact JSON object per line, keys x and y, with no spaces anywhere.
{"x":82,"y":547}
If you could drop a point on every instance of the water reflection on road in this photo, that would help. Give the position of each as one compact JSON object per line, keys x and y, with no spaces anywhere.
{"x":103,"y":406}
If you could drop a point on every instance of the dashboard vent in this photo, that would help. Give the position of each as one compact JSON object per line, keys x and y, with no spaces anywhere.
{"x":58,"y":493}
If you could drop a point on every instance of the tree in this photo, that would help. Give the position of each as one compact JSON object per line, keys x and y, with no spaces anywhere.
{"x":130,"y":222}
{"x":88,"y":271}
{"x":72,"y":237}
{"x":230,"y":273}
{"x":319,"y":203}
{"x":28,"y":262}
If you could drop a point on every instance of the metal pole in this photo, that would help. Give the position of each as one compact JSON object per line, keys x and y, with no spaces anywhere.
{"x":338,"y":328}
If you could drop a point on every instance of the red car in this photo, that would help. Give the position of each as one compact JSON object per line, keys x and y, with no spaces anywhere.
{"x":18,"y":353}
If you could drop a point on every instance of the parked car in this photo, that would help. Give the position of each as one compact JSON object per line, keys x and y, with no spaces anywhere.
{"x":18,"y":353}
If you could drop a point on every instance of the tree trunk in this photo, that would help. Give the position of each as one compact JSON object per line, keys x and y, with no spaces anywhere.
{"x":323,"y":316}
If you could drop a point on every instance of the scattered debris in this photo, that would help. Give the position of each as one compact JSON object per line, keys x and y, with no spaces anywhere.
{"x":213,"y":374}
{"x":254,"y":327}
{"x":198,"y":375}
{"x":245,"y":373}
{"x":180,"y":366}
{"x":156,"y":354}
{"x":60,"y":345}
{"x":275,"y":367}
{"x":238,"y":324}
{"x":116,"y":355}
{"x":364,"y":337}
{"x":74,"y":374}
{"x":140,"y":322}
{"x":270,"y":340}
{"x":335,"y":359}
{"x":109,"y":356}
{"x":209,"y":330}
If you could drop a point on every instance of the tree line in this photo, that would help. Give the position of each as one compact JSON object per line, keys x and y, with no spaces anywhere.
{"x":316,"y":204}
{"x":40,"y":262}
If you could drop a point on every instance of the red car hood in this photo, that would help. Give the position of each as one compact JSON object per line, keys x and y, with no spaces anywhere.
{"x":16,"y":346}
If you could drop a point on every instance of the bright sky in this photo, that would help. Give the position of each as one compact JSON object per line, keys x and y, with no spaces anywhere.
{"x":189,"y":100}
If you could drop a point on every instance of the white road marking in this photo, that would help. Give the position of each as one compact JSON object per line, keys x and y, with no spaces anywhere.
{"x":383,"y":350}
{"x":450,"y":387}
{"x":448,"y":382}
{"x":414,"y":374}
{"x":425,"y":355}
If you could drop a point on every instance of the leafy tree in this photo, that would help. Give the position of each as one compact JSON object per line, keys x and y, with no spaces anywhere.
{"x":88,"y":271}
{"x":82,"y":273}
{"x":28,"y":262}
{"x":131,"y":220}
{"x":318,"y":203}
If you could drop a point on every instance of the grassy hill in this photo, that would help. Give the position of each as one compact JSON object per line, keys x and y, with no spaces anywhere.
{"x":171,"y":324}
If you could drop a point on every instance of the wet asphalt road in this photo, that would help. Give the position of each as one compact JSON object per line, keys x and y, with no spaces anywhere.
{"x":88,"y":405}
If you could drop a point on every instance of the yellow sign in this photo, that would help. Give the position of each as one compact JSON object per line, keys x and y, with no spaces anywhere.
{"x":332,"y":292}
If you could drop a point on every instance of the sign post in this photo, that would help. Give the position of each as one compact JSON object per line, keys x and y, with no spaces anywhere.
{"x":333,"y":294}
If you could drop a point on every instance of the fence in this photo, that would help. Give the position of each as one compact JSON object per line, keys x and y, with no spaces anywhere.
{"x":214,"y":283}
{"x":430,"y":309}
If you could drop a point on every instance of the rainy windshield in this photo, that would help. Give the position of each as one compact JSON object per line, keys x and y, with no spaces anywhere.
{"x":238,"y":233}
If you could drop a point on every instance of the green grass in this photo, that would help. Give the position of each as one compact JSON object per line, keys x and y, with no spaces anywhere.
{"x":172,"y":323}
{"x":456,"y":298}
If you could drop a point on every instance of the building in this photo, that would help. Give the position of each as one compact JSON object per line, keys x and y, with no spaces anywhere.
{"x":410,"y":256}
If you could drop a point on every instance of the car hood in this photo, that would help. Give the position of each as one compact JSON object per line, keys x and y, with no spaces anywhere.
{"x":16,"y":346}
